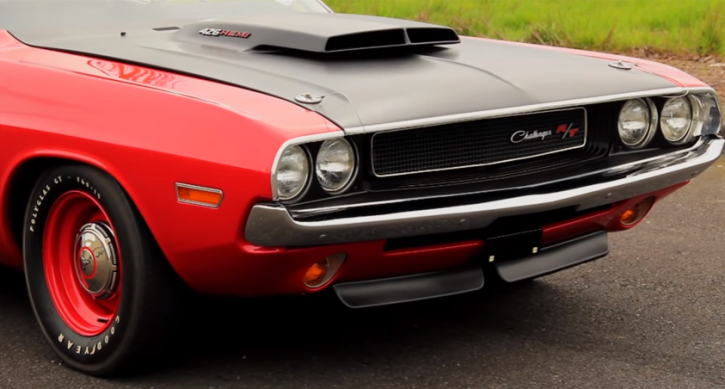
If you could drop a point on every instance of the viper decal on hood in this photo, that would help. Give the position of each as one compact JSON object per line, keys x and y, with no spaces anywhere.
{"x":339,"y":58}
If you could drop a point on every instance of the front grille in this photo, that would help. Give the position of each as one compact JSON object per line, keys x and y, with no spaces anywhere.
{"x":477,"y":143}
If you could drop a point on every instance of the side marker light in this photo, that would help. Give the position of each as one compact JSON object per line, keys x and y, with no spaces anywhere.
{"x":199,"y":195}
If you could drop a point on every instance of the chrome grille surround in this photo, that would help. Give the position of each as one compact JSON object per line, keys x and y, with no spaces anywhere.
{"x":477,"y":143}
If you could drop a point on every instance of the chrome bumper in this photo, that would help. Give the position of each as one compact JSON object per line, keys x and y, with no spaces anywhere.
{"x":272,"y":225}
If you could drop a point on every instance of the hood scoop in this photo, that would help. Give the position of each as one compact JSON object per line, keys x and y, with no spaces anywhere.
{"x":316,"y":33}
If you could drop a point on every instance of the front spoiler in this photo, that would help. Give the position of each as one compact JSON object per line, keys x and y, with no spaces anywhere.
{"x":418,"y":287}
{"x":556,"y":258}
{"x":272,"y":225}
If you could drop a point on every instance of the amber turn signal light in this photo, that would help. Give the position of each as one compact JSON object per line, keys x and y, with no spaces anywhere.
{"x":637,"y":212}
{"x":321,"y":272}
{"x":316,"y":273}
{"x":199,"y":195}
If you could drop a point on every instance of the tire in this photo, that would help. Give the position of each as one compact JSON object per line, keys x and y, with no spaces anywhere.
{"x":106,"y":309}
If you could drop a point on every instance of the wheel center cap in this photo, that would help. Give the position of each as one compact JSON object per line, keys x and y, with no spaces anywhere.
{"x":88,"y":262}
{"x":96,"y":260}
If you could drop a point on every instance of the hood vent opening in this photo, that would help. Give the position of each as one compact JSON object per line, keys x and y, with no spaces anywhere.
{"x":431,"y":36}
{"x":366,"y":40}
{"x":170,"y":28}
{"x":318,"y":34}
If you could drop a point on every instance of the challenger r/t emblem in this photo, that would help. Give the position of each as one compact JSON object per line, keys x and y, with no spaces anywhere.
{"x":220,"y":32}
{"x":565,"y":129}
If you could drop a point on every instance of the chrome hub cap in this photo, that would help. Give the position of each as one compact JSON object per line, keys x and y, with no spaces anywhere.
{"x":96,"y":260}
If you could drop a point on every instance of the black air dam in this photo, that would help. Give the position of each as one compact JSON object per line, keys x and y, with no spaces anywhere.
{"x":417,"y":287}
{"x":556,"y":258}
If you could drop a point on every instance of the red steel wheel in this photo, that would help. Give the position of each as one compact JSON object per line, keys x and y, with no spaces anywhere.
{"x":82,"y":263}
{"x":106,"y":299}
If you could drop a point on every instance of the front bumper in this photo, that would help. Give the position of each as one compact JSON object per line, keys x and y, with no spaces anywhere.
{"x":272,"y":225}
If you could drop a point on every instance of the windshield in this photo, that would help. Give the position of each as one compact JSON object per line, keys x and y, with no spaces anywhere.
{"x":83,"y":14}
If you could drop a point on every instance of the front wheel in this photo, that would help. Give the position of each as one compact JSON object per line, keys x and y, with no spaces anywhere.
{"x":101,"y":290}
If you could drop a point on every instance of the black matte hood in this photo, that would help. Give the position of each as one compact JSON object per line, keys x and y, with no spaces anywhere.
{"x":364,"y":76}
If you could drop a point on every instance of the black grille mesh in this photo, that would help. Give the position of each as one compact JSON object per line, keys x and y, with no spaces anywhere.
{"x":476,"y":143}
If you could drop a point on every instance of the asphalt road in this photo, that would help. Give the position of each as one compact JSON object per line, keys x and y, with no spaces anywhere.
{"x":651,"y":315}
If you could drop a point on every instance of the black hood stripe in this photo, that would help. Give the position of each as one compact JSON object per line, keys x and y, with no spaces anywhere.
{"x":370,"y":89}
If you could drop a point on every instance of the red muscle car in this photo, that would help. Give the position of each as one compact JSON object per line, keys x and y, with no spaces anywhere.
{"x":248,"y":148}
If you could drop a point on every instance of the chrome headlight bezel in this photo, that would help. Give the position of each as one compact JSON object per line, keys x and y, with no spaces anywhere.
{"x":651,"y":120}
{"x":707,"y":113}
{"x":687,"y":135}
{"x":276,"y":170}
{"x":351,"y":174}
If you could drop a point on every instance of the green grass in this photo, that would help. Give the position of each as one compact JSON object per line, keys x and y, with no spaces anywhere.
{"x":666,"y":26}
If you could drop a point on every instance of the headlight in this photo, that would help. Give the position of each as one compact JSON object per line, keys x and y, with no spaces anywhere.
{"x":706,"y":114}
{"x":292,"y":171}
{"x":636,"y":126}
{"x":335,"y":164}
{"x":676,"y":120}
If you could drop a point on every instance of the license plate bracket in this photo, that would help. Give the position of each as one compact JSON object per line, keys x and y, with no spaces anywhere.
{"x":513,"y":246}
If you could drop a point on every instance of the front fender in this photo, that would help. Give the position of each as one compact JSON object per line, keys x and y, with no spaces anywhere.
{"x":149,"y":130}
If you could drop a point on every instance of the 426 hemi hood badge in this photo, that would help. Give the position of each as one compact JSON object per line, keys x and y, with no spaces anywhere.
{"x":220,"y":32}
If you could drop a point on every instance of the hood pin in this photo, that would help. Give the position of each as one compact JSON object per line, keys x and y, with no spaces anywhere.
{"x":621,"y":65}
{"x":308,"y":98}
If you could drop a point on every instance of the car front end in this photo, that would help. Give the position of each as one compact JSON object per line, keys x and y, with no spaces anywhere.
{"x":406,"y":212}
{"x":272,"y":152}
{"x":378,"y":155}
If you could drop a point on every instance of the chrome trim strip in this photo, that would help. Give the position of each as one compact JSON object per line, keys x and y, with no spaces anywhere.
{"x":272,"y":225}
{"x":323,"y":5}
{"x":696,"y":124}
{"x":431,"y":121}
{"x":586,"y":137}
{"x":202,"y":188}
{"x":654,"y":120}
